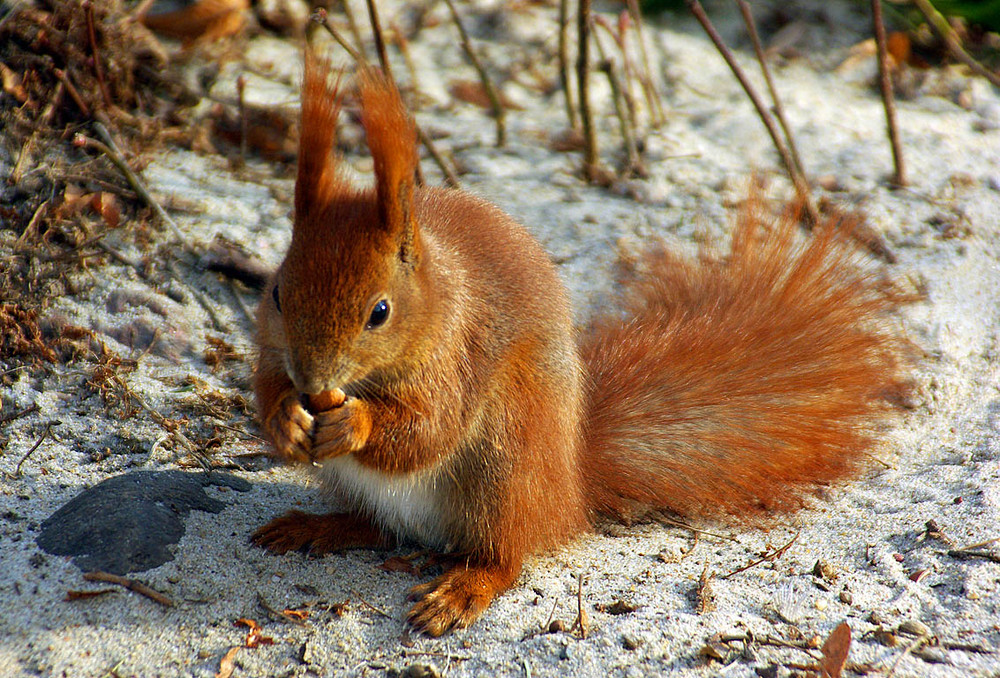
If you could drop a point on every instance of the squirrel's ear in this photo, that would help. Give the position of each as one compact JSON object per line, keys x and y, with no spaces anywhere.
{"x":317,"y":181}
{"x":392,"y":139}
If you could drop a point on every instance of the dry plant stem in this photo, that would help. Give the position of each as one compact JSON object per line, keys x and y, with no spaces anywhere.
{"x":634,"y":163}
{"x":801,"y":188}
{"x":951,"y":39}
{"x":109,"y":149}
{"x":130,"y":584}
{"x":20,"y":413}
{"x":491,"y":92}
{"x":626,"y":70}
{"x":45,"y":434}
{"x":646,"y":80}
{"x":450,"y":177}
{"x":53,"y":105}
{"x":966,"y":554}
{"x":705,"y":604}
{"x":443,"y":655}
{"x":581,"y":622}
{"x":241,"y":85}
{"x":320,"y":16}
{"x":590,"y":158}
{"x":981,"y":544}
{"x":769,"y":640}
{"x":352,"y":25}
{"x":574,"y":120}
{"x":403,"y":45}
{"x":779,"y":110}
{"x":88,"y":9}
{"x":74,"y":93}
{"x":694,"y":530}
{"x":23,"y":159}
{"x":249,"y":315}
{"x":769,"y":556}
{"x":372,"y":607}
{"x":885,"y":86}
{"x":278,"y":614}
{"x":383,"y":56}
{"x":202,"y":300}
{"x":922,"y":640}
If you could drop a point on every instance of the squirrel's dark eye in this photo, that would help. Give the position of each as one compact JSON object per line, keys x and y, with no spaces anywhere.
{"x":379,"y":314}
{"x":274,"y":295}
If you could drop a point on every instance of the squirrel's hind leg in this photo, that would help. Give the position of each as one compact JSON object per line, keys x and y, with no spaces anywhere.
{"x":457,"y":598}
{"x":319,"y":533}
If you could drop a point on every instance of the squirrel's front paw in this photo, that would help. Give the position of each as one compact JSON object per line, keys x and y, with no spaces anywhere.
{"x":290,"y":427}
{"x":341,"y":430}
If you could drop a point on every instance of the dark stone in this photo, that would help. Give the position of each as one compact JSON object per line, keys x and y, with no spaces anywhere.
{"x":126,"y":523}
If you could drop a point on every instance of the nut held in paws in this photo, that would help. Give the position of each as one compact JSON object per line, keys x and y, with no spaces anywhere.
{"x":327,"y":400}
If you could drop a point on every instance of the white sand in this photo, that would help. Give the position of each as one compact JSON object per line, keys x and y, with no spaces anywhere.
{"x":942,"y":463}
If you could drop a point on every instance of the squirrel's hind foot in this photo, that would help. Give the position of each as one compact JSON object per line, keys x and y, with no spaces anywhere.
{"x":457,"y":598}
{"x":318,"y":534}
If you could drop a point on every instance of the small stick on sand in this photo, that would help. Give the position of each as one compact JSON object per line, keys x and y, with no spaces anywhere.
{"x":130,"y":584}
{"x":885,"y":85}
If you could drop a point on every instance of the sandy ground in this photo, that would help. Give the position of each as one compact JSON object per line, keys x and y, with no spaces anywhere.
{"x":913,"y":608}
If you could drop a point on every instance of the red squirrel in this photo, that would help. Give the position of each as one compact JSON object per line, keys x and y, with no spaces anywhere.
{"x":417,"y":352}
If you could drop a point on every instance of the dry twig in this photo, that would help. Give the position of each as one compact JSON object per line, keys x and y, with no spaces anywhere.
{"x":20,"y":413}
{"x":590,"y":157}
{"x":321,"y":17}
{"x":582,"y":621}
{"x":498,"y":110}
{"x":801,"y":188}
{"x":383,"y":55}
{"x":952,"y":41}
{"x":352,"y":25}
{"x":45,"y":434}
{"x":885,"y":86}
{"x":646,"y":79}
{"x":779,"y":110}
{"x":773,"y":555}
{"x":88,"y":9}
{"x":130,"y":584}
{"x":574,"y":120}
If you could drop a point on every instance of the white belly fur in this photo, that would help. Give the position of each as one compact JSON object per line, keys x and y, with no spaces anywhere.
{"x":408,"y":505}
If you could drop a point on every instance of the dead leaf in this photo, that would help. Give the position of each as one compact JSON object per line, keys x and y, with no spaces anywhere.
{"x":898,"y":47}
{"x":835,"y":651}
{"x":226,"y":666}
{"x":566,"y":141}
{"x":12,"y":84}
{"x":399,"y":564}
{"x":473,"y":92}
{"x":106,"y":204}
{"x":254,"y":638}
{"x":301,"y":615}
{"x":206,"y":20}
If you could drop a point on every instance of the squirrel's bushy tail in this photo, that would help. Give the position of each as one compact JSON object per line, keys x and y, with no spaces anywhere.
{"x":731,"y":383}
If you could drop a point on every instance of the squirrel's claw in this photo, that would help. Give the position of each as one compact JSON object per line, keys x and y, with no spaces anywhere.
{"x":456,"y":598}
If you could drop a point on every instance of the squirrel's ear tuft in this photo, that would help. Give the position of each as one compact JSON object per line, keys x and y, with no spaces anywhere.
{"x":392,"y":139}
{"x":317,"y":180}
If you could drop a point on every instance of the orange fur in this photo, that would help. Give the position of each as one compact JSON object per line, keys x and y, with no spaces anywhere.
{"x":317,"y":180}
{"x":736,"y":382}
{"x":473,"y":421}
